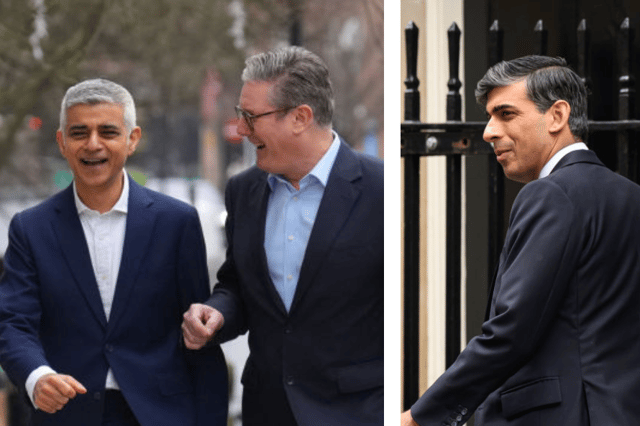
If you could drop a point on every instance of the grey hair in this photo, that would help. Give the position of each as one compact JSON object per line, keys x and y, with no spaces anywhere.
{"x":91,"y":92}
{"x":300,"y":77}
{"x":547,"y":80}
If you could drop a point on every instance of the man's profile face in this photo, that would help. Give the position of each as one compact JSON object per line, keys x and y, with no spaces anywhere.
{"x":96,"y":144}
{"x":271,"y":135}
{"x":518,"y":132}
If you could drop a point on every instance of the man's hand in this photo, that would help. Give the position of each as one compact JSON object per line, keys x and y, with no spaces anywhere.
{"x":407,"y":419}
{"x":201,"y":322}
{"x":53,"y":391}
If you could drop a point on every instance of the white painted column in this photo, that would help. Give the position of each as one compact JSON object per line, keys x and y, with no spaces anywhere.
{"x":440,"y":14}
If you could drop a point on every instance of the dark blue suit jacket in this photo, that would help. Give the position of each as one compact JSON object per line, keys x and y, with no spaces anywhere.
{"x":561,"y":342}
{"x":325,"y":356}
{"x":51,"y":312}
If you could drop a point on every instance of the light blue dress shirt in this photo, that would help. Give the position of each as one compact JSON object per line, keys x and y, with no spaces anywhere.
{"x":290,"y":217}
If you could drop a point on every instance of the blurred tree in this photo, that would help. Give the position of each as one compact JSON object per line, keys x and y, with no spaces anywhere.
{"x":31,"y":61}
{"x":350,"y":38}
{"x":160,"y":49}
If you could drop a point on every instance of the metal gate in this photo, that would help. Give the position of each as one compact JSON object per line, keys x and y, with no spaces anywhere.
{"x":456,"y":138}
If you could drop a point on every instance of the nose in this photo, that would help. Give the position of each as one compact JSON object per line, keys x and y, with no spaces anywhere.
{"x":243,"y":127}
{"x":491,"y":131}
{"x":93,"y":141}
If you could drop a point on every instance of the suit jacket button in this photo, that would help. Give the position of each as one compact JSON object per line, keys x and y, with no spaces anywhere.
{"x":290,"y":380}
{"x":287,"y":330}
{"x":109,"y":348}
{"x":96,"y":396}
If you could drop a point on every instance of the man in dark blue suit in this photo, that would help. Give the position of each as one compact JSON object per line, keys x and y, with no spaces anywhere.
{"x":561,"y":340}
{"x":304,"y":267}
{"x":96,"y":281}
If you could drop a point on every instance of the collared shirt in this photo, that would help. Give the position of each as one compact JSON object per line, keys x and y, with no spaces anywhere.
{"x":546,"y":170}
{"x":104,"y":234}
{"x":291,"y":214}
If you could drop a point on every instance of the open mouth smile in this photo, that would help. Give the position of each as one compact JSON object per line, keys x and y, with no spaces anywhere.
{"x":93,"y":162}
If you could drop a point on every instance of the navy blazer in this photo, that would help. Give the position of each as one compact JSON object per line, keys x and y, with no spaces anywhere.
{"x":325,"y":356}
{"x":561,"y":342}
{"x":51,"y":312}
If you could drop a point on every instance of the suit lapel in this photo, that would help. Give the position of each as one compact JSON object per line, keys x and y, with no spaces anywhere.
{"x":258,"y":202}
{"x":73,"y":244}
{"x":139,"y":228}
{"x":339,"y":198}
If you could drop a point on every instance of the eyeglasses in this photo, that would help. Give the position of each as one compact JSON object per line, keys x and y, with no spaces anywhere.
{"x":249,"y":118}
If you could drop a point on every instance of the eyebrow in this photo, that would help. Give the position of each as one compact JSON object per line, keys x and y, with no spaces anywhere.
{"x":101,"y":127}
{"x":499,"y":108}
{"x":247,"y":111}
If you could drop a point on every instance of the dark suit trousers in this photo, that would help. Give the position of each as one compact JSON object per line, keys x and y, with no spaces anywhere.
{"x":116,"y":411}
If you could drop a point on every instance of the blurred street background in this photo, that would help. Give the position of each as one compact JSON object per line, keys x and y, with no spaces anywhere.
{"x":181,"y":60}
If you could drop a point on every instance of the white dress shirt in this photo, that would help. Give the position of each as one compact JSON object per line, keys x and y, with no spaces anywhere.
{"x":104,"y":234}
{"x":546,"y":170}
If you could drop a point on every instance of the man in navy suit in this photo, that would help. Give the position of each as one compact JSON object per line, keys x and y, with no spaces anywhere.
{"x":96,"y":281}
{"x":561,"y":340}
{"x":304,"y":267}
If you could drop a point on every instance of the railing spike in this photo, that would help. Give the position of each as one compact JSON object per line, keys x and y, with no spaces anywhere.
{"x":541,"y":38}
{"x":412,"y":94}
{"x":454,"y":100}
{"x":539,"y":26}
{"x":583,"y":59}
{"x":496,"y":45}
{"x":627,"y":151}
{"x":583,"y":25}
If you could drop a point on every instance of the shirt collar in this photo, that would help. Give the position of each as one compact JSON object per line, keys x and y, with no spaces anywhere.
{"x":546,"y":170}
{"x":321,"y":170}
{"x":122,"y":205}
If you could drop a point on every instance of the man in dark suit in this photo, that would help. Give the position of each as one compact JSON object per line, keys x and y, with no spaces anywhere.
{"x":304,"y":267}
{"x":561,"y":340}
{"x":96,"y":281}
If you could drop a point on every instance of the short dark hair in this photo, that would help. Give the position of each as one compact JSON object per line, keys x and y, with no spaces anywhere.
{"x":548,"y":80}
{"x":300,"y":77}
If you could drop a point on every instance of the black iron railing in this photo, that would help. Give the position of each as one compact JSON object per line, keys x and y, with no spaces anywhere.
{"x":456,"y":138}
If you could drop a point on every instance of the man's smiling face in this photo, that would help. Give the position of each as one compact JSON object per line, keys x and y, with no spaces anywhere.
{"x":518,"y":132}
{"x":272,"y":135}
{"x":96,"y":144}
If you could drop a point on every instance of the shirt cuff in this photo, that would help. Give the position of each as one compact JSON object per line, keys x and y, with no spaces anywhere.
{"x":33,"y":379}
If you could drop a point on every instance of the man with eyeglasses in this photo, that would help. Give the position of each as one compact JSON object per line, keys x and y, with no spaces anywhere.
{"x":304,"y":267}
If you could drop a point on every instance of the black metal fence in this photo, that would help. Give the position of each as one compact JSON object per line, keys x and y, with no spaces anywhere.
{"x":456,"y":138}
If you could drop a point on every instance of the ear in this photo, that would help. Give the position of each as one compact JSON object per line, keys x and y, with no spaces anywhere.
{"x":302,"y":118}
{"x":134,"y":138}
{"x":60,"y":140}
{"x":559,"y":116}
